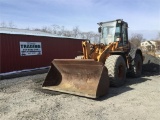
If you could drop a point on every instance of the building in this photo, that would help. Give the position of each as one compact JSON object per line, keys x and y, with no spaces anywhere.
{"x":25,"y":49}
{"x":149,"y":45}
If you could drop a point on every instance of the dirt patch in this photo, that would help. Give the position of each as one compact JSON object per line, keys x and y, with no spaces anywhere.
{"x":151,"y":64}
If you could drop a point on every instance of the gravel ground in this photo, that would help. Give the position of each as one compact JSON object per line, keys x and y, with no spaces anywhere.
{"x":151,"y":64}
{"x":23,"y":99}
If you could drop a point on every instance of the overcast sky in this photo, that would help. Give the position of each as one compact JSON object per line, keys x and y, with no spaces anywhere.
{"x":140,"y":14}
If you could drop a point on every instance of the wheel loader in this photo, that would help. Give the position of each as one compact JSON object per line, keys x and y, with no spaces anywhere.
{"x":100,"y":66}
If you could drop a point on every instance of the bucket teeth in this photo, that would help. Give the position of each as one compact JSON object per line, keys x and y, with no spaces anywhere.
{"x":80,"y":77}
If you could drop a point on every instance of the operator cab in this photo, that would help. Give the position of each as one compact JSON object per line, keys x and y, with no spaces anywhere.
{"x":112,"y":31}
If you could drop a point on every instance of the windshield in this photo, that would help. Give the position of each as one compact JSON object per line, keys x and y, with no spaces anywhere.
{"x":108,"y":32}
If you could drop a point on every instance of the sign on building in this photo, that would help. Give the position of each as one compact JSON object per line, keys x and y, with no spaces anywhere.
{"x":30,"y":48}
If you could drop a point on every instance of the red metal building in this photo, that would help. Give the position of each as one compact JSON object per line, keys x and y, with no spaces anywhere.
{"x":19,"y":48}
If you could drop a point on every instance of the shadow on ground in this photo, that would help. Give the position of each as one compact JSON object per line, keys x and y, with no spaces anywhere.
{"x":151,"y":67}
{"x":23,"y":73}
{"x":38,"y":87}
{"x":114,"y":91}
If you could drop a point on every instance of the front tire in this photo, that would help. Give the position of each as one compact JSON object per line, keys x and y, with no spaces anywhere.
{"x":116,"y":70}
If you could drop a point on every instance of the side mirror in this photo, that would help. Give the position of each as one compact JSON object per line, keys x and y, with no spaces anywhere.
{"x":99,"y":29}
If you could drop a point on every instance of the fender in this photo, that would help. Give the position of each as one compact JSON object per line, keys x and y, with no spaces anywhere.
{"x":133,"y":51}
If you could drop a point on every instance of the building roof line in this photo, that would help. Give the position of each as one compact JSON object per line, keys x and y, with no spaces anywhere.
{"x":16,"y":31}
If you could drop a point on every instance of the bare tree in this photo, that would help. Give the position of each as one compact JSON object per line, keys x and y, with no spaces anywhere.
{"x":36,"y":29}
{"x":89,"y":35}
{"x":7,"y":25}
{"x":61,"y":31}
{"x":46,"y":29}
{"x":67,"y":33}
{"x":55,"y":29}
{"x":136,"y":39}
{"x":11,"y":25}
{"x":75,"y":31}
{"x":96,"y":38}
{"x":27,"y":28}
{"x":3,"y":24}
{"x":82,"y":35}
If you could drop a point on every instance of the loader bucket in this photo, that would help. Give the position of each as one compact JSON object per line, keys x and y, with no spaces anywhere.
{"x":79,"y":77}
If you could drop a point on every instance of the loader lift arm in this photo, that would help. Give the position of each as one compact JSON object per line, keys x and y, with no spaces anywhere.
{"x":98,"y":52}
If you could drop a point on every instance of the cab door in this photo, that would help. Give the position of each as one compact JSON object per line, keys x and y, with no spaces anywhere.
{"x":125,"y":42}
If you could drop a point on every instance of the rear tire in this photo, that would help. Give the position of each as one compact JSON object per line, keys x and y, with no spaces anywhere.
{"x":136,"y":69}
{"x":116,"y":70}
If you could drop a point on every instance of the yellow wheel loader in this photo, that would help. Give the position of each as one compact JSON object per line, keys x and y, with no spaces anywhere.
{"x":100,"y":66}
